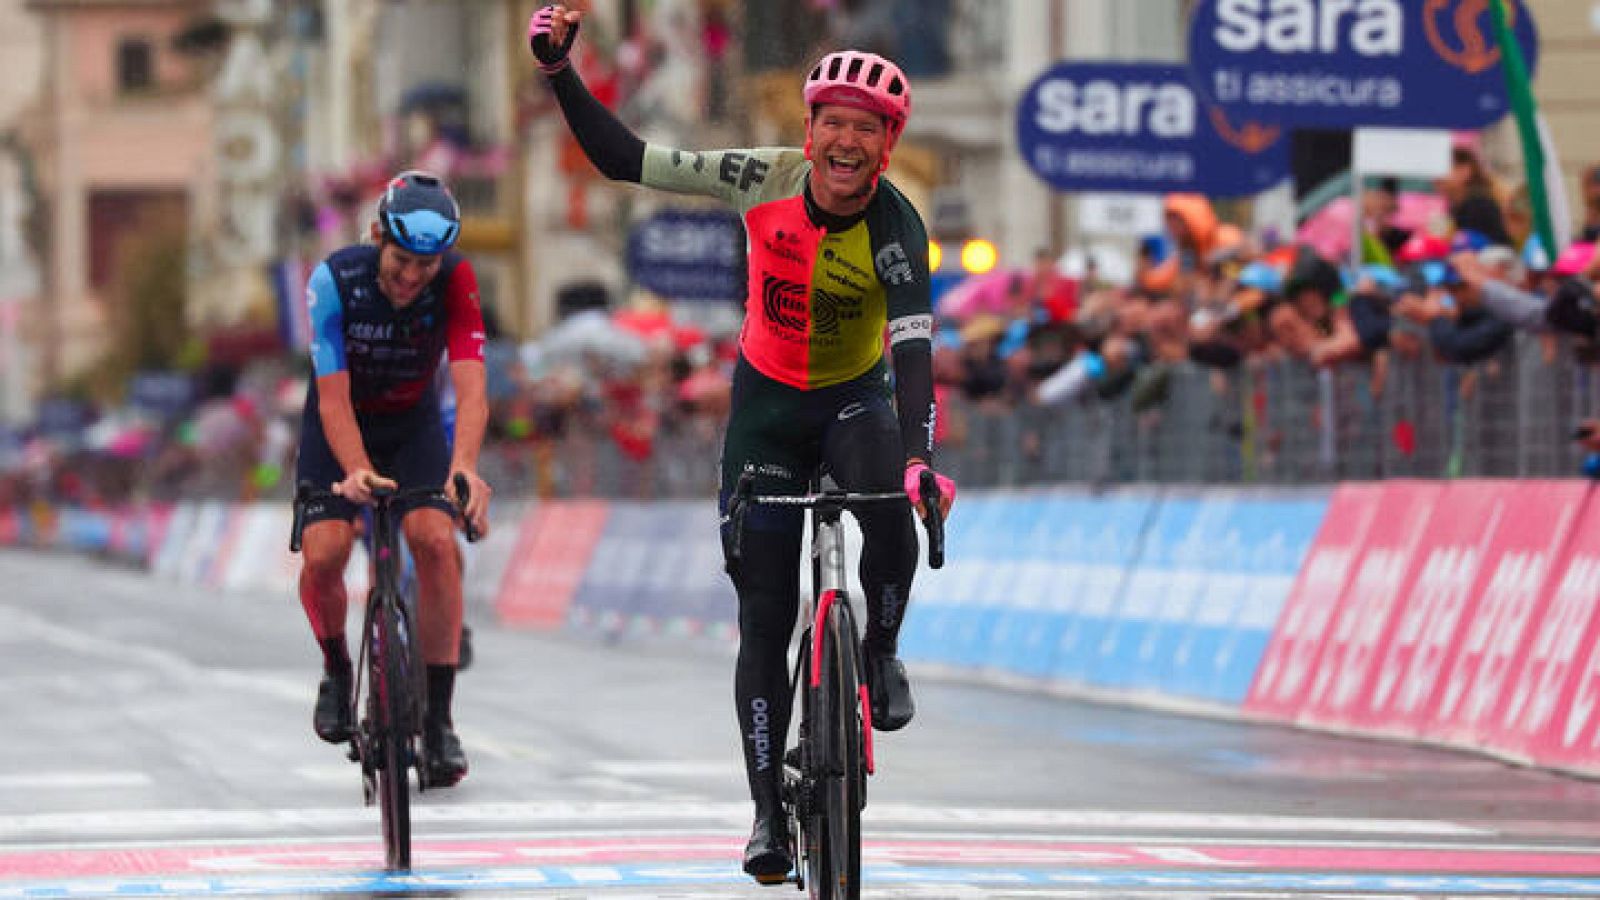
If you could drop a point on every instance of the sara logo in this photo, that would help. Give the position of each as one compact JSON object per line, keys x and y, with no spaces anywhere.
{"x":1251,"y":137}
{"x":1354,"y":63}
{"x":1457,"y":31}
{"x":1141,"y":127}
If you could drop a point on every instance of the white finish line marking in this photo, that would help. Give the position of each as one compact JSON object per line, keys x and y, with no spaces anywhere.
{"x":73,"y":780}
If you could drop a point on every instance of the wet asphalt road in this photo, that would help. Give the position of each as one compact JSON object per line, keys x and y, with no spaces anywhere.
{"x":158,"y":743}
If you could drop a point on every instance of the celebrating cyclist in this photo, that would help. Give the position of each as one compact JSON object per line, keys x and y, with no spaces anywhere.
{"x":382,"y":317}
{"x":837,"y":258}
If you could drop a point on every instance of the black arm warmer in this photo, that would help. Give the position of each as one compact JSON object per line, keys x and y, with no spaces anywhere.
{"x":617,"y":152}
{"x":913,"y":396}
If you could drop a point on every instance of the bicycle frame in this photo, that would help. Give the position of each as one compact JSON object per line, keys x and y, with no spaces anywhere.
{"x":388,"y":736}
{"x":826,"y":796}
{"x":387,"y":739}
{"x":830,"y":585}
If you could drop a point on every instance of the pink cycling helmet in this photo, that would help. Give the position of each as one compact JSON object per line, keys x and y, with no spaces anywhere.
{"x":865,"y":81}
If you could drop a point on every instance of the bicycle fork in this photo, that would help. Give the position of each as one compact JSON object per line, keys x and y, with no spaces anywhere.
{"x":830,"y":586}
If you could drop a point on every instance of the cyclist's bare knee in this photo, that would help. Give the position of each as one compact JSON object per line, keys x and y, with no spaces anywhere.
{"x":326,"y":548}
{"x":431,"y":536}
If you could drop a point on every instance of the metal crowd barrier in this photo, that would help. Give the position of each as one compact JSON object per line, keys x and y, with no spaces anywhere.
{"x":1288,"y":423}
{"x":1264,"y":423}
{"x":1274,"y":423}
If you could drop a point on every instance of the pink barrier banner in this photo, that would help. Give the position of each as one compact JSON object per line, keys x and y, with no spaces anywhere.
{"x":553,"y":550}
{"x":1421,"y":635}
{"x":1370,"y":605}
{"x":1542,"y":680}
{"x":226,"y":543}
{"x":1283,"y":679}
{"x":1551,"y":713}
{"x":1510,"y":597}
{"x":158,"y":518}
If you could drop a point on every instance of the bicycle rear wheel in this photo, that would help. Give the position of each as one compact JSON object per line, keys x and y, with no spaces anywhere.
{"x":391,"y":708}
{"x":839,"y":786}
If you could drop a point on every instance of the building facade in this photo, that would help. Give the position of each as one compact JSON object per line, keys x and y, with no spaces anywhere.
{"x":123,"y":146}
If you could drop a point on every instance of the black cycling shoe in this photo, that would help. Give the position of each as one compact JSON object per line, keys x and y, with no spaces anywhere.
{"x":444,"y":762}
{"x":892,"y":706}
{"x":766,"y":857}
{"x":332,"y":719}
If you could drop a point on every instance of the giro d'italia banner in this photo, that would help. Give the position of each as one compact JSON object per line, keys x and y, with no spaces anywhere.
{"x":1352,"y":63}
{"x":1134,"y":128}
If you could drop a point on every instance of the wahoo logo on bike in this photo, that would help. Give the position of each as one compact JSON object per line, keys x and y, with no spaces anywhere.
{"x":761,"y":734}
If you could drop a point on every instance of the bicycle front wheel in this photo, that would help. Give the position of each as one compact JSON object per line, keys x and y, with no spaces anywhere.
{"x":391,"y":709}
{"x":840,"y":787}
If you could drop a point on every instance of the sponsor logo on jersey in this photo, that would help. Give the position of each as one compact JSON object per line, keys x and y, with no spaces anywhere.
{"x":742,"y":170}
{"x":893,"y":266}
{"x":696,"y":161}
{"x":784,"y":303}
{"x":835,"y":258}
{"x":910,"y":328}
{"x":370,"y":331}
{"x":828,"y":310}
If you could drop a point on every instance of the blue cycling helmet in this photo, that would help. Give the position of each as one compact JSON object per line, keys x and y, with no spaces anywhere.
{"x":418,"y":213}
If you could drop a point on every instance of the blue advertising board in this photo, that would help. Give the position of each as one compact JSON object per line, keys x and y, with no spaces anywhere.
{"x":689,"y":254}
{"x":1351,"y":63}
{"x":1140,"y":128}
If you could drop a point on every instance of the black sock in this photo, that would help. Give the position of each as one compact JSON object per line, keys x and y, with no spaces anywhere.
{"x":336,"y":657}
{"x":441,"y":688}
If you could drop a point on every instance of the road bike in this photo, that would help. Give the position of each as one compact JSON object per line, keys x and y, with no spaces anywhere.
{"x":387,"y":742}
{"x":825,"y":781}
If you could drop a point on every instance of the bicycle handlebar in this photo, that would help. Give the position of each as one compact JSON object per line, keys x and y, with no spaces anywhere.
{"x":463,"y":491}
{"x":305,"y":492}
{"x":933,"y":520}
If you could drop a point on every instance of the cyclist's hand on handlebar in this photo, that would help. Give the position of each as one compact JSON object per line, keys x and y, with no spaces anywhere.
{"x":357,"y":486}
{"x":478,"y":493}
{"x":551,"y":32}
{"x":913,"y":486}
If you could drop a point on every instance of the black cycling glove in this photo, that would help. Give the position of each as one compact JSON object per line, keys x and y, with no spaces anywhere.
{"x":552,"y":59}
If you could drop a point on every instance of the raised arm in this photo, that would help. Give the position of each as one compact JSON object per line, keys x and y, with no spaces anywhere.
{"x":613,"y":148}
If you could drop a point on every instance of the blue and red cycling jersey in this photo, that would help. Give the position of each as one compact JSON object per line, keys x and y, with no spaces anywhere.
{"x":392,"y":354}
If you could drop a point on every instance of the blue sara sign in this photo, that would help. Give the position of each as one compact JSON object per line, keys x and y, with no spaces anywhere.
{"x":689,"y":255}
{"x":1349,"y":63}
{"x":1140,"y":129}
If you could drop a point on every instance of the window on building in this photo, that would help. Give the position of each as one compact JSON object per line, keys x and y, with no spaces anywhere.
{"x":117,"y":221}
{"x":136,"y":65}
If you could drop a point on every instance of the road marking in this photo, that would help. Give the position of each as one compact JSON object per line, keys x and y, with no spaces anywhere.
{"x":607,"y":853}
{"x":550,"y":877}
{"x":668,"y":768}
{"x":211,"y":821}
{"x":671,"y":849}
{"x":72,"y":780}
{"x":280,"y":686}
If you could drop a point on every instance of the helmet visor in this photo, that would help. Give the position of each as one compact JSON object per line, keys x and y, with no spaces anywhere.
{"x":421,"y":230}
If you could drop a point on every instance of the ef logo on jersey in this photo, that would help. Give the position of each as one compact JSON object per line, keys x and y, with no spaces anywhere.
{"x":893,"y":266}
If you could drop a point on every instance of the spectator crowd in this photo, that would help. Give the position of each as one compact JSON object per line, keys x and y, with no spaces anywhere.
{"x":631,"y":402}
{"x":1450,"y":273}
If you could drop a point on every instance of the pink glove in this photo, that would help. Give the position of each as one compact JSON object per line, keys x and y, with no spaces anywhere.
{"x":552,"y":58}
{"x":913,"y":485}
